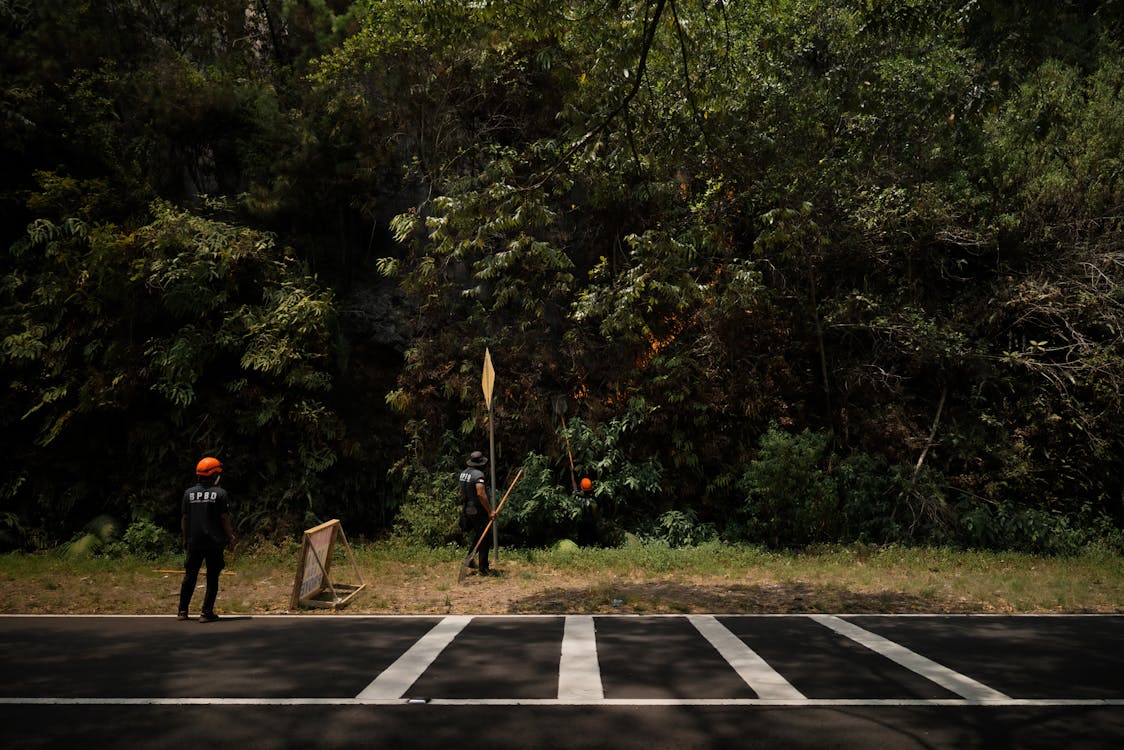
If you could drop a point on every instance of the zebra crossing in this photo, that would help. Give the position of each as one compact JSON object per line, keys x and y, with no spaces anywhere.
{"x":573,"y":660}
{"x":579,"y":677}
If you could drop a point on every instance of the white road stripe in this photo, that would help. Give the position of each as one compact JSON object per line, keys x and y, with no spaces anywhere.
{"x":765,"y":681}
{"x":396,"y":679}
{"x":962,"y":685}
{"x":763,"y":615}
{"x":579,"y":673}
{"x":639,"y":702}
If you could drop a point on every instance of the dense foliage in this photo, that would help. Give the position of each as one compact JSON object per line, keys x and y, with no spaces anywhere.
{"x":786,"y":272}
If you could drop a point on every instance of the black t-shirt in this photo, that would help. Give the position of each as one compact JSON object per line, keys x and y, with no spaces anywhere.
{"x":469,"y":478}
{"x":204,"y":508}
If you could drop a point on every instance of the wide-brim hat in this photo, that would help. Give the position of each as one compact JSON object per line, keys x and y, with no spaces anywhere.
{"x":476,"y":459}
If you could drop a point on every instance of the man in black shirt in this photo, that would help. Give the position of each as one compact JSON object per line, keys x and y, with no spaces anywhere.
{"x":476,"y":509}
{"x":206,"y":528}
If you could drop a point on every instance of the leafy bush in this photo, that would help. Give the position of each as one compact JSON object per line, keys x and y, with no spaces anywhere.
{"x":883,"y":503}
{"x":540,"y":511}
{"x":428,"y":516}
{"x":628,"y":485}
{"x":1036,"y":530}
{"x":869,"y":494}
{"x":147,"y":540}
{"x":681,"y":528}
{"x":790,"y":499}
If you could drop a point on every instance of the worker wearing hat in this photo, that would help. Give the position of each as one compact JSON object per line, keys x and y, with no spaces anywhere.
{"x":476,"y":508}
{"x":206,"y":528}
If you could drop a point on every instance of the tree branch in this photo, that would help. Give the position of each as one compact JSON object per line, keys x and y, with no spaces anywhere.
{"x":649,"y":36}
{"x":687,"y":74}
{"x":932,"y":438}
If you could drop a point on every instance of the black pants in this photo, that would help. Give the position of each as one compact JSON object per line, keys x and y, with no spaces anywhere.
{"x":486,"y":545}
{"x":197,"y":554}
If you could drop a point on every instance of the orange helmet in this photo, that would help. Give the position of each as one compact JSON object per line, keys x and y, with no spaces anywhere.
{"x":587,"y":484}
{"x":208,"y":467}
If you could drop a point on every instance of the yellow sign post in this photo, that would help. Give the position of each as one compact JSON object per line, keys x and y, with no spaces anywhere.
{"x":488,"y":382}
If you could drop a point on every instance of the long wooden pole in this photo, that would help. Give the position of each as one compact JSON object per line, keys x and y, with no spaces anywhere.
{"x":464,"y":565}
{"x":570,"y":455}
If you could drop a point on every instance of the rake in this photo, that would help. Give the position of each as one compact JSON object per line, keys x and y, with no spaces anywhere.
{"x":464,"y":565}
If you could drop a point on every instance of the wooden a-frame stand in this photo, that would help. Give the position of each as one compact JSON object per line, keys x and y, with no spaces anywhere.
{"x":313,"y":586}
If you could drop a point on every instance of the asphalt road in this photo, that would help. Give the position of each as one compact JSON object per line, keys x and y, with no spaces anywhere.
{"x":564,"y":682}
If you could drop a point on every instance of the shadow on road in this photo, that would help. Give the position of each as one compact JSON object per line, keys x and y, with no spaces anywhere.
{"x":772,"y":598}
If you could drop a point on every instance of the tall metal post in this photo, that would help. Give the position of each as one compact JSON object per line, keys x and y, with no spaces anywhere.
{"x":488,"y":381}
{"x":492,"y":494}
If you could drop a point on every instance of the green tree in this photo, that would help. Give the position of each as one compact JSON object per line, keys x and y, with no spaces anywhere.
{"x":129,"y":352}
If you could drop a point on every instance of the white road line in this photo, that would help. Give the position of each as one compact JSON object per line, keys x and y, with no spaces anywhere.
{"x":765,"y":681}
{"x":960,"y":684}
{"x":396,"y":679}
{"x":800,"y":703}
{"x":638,"y":702}
{"x":579,"y":673}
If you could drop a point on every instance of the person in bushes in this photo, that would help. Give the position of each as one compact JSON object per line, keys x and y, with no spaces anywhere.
{"x":206,"y":529}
